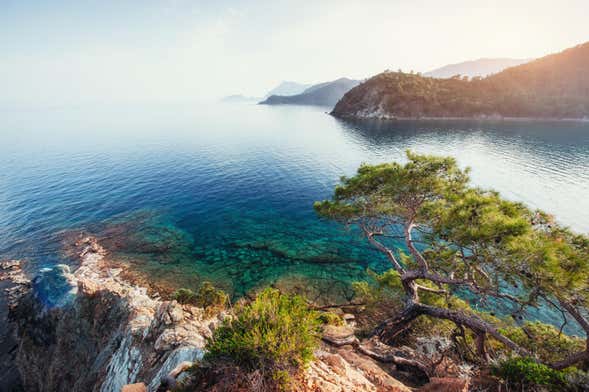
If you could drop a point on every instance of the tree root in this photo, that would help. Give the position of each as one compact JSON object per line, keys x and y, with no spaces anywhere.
{"x":422,"y":368}
{"x":415,"y":366}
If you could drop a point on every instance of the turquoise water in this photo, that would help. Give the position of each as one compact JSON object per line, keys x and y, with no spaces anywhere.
{"x":225,"y":192}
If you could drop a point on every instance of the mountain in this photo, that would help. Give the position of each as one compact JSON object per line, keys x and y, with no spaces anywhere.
{"x":287,"y":88}
{"x":322,"y":94}
{"x":555,"y":86}
{"x":238,"y":98}
{"x":480,"y":67}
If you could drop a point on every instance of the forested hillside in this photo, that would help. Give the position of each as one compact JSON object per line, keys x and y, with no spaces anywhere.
{"x":555,"y":86}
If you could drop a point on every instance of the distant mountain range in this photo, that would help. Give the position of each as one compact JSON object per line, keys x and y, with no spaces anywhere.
{"x":322,"y":94}
{"x":329,"y":93}
{"x":480,"y":67}
{"x":287,"y":88}
{"x":555,"y":86}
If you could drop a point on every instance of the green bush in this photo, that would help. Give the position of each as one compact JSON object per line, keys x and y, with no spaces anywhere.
{"x":577,"y":380}
{"x":184,"y":296}
{"x":330,"y":318}
{"x":206,"y":297}
{"x":544,"y":341}
{"x":276,"y":334}
{"x":525,"y":372}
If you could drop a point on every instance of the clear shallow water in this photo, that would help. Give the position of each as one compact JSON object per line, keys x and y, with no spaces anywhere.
{"x":225,"y":192}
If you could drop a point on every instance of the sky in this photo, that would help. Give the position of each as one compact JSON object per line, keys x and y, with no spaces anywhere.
{"x":99,"y":51}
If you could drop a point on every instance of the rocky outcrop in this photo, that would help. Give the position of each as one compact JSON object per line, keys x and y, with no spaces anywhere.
{"x":339,"y":335}
{"x":347,"y":371}
{"x":90,"y":330}
{"x":446,"y":384}
{"x":9,"y":377}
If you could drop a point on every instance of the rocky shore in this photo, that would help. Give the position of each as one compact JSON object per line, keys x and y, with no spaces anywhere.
{"x":10,"y":278}
{"x":91,"y":329}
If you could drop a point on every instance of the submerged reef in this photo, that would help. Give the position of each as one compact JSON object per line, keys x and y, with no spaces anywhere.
{"x":242,"y":260}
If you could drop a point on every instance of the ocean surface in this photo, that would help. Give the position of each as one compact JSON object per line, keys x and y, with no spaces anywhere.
{"x":187,"y":193}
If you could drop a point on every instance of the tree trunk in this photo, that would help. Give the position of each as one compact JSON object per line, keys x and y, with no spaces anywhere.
{"x":472,"y":322}
{"x":481,"y":338}
{"x":399,"y":361}
{"x":584,"y":323}
{"x":571,"y":360}
{"x":388,"y":330}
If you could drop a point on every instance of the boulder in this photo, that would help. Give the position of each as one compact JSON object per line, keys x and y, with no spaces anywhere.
{"x":139,"y":387}
{"x":339,"y":335}
{"x":348,"y":317}
{"x":446,"y":384}
{"x":345,"y":370}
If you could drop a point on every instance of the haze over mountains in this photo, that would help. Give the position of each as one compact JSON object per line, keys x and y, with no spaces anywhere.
{"x":555,"y":86}
{"x":322,"y":94}
{"x":237,"y":98}
{"x":481,"y":67}
{"x":441,"y":93}
{"x":288,"y":88}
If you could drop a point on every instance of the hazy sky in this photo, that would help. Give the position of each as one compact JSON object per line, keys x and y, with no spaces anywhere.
{"x":67,"y":52}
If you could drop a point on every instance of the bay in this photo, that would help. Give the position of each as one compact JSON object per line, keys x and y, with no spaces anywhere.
{"x":224,"y":192}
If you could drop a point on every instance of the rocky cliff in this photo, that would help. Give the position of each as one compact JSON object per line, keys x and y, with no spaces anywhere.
{"x":86,"y":328}
{"x":90,"y":330}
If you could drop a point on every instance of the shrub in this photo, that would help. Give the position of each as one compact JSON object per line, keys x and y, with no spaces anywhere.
{"x":275,"y":334}
{"x":206,"y":297}
{"x":577,"y":380}
{"x":527,"y":373}
{"x":544,"y":340}
{"x":330,"y":318}
{"x":184,"y":296}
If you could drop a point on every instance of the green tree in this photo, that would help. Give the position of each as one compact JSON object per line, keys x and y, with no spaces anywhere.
{"x":458,"y":237}
{"x":554,"y":262}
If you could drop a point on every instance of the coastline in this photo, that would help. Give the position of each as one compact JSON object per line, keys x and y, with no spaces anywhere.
{"x":9,"y":376}
{"x":482,"y":119}
{"x":92,"y":329}
{"x":104,"y":333}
